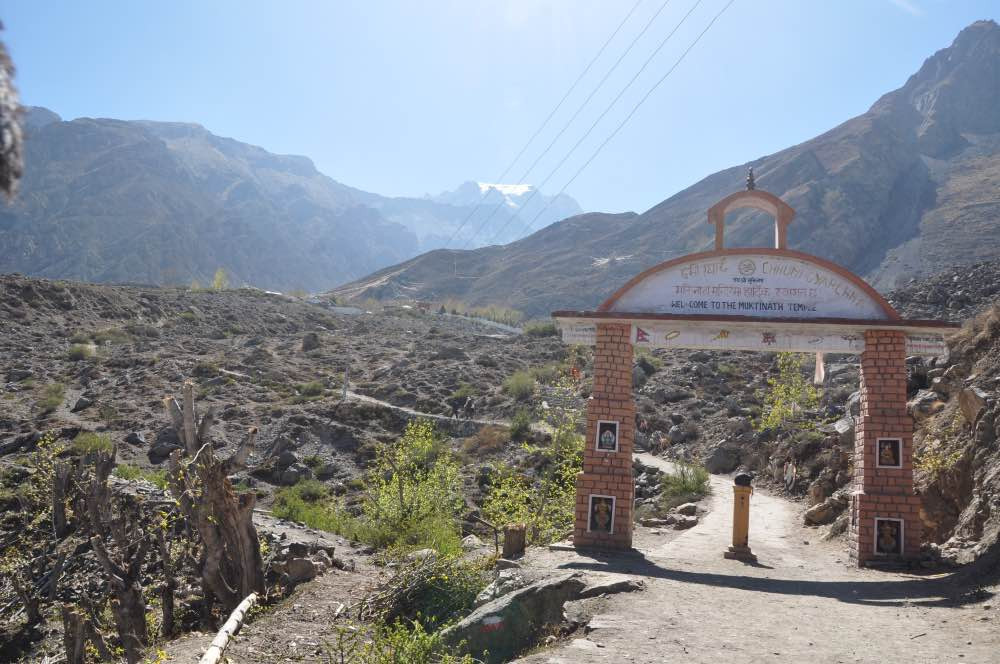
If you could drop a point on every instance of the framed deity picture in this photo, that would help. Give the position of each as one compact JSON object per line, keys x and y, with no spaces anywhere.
{"x":607,"y":436}
{"x":602,"y":514}
{"x":888,"y":537}
{"x":889,"y":453}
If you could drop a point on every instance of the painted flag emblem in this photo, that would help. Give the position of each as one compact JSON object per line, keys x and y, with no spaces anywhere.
{"x":641,"y":335}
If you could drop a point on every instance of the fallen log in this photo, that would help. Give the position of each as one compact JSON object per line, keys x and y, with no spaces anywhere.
{"x":221,"y":641}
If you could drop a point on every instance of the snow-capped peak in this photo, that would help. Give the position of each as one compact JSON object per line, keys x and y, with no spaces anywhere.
{"x":505,"y":189}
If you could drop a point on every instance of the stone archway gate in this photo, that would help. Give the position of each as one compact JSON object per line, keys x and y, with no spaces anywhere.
{"x":763,"y":299}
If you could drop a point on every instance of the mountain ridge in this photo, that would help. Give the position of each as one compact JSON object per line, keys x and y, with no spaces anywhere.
{"x":880,"y":194}
{"x":154,"y":202}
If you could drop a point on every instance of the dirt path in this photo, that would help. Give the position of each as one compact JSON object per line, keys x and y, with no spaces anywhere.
{"x":427,"y":416}
{"x":800,"y":603}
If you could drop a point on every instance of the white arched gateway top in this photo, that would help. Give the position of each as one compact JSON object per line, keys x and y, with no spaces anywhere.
{"x":764,"y":283}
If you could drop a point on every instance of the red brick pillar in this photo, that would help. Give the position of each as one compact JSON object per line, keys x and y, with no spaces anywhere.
{"x":606,"y":479}
{"x":885,"y":522}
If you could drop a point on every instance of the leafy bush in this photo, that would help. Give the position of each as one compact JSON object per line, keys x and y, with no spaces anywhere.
{"x":51,"y":398}
{"x":546,"y":503}
{"x":390,"y":644}
{"x":541,"y":328}
{"x":414,"y":498}
{"x":415,"y":493}
{"x":151,"y":475}
{"x":309,"y":502}
{"x":648,"y":362}
{"x":689,"y":482}
{"x":520,"y":385}
{"x":520,"y":425}
{"x":111,"y":336}
{"x":205,"y":369}
{"x":933,"y":459}
{"x":463,"y":392}
{"x":788,"y":394}
{"x":87,"y":442}
{"x":547,"y":373}
{"x":221,"y":280}
{"x":311,"y":389}
{"x":79,"y":352}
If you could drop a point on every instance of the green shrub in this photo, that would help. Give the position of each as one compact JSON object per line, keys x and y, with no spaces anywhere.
{"x":111,"y":336}
{"x":309,"y":502}
{"x":390,"y":644}
{"x":313,"y":461}
{"x":52,"y":397}
{"x":687,"y":483}
{"x":545,"y":502}
{"x":547,"y":373}
{"x":311,"y":389}
{"x":151,"y":475}
{"x":463,"y":392}
{"x":87,"y":442}
{"x":541,"y":328}
{"x":520,"y":425}
{"x":788,"y":393}
{"x":79,"y":352}
{"x":520,"y":385}
{"x":648,"y":362}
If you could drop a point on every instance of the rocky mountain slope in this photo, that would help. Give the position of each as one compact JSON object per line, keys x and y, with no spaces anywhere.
{"x":168,"y":203}
{"x":907,"y":188}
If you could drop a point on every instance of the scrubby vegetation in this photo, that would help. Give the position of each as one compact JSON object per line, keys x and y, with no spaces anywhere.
{"x":52,"y":397}
{"x":789,"y":394}
{"x":688,"y":483}
{"x":545,"y":501}
{"x":79,"y":352}
{"x":520,"y":385}
{"x":153,"y":476}
{"x":88,"y":442}
{"x":541,"y":328}
{"x":413,"y":500}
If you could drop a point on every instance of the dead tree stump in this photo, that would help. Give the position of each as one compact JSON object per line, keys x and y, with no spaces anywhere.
{"x":514,"y":539}
{"x":231,"y":564}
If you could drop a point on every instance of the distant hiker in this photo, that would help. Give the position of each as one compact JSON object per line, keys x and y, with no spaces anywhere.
{"x":789,"y":475}
{"x":469,"y":409}
{"x":456,"y":407}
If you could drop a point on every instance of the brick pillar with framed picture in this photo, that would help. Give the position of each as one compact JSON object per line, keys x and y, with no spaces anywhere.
{"x":885,"y":522}
{"x":605,"y":490}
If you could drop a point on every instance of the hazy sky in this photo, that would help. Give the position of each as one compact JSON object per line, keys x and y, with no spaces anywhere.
{"x":404,"y":98}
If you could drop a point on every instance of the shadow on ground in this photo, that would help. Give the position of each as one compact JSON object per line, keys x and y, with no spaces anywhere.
{"x":949,"y":591}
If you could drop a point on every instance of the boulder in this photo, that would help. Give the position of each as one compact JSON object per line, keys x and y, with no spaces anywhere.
{"x":943,"y":386}
{"x":685,"y":522}
{"x":610,"y":584}
{"x":421,"y":554}
{"x":844,"y":430}
{"x":470,"y":542}
{"x":300,"y":569}
{"x":310,"y":341}
{"x":825,"y":512}
{"x":723,"y":459}
{"x":507,"y":581}
{"x":135,"y":438}
{"x":504,"y":627}
{"x":687,"y":509}
{"x":166,"y":441}
{"x":504,"y":563}
{"x":656,"y":522}
{"x":924,"y":404}
{"x":295,"y":474}
{"x":82,"y":403}
{"x":738,"y":425}
{"x":972,"y":401}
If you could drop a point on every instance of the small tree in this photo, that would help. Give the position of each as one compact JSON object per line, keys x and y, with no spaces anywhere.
{"x":545,"y":503}
{"x":221,"y":280}
{"x":416,"y":492}
{"x":788,"y":394}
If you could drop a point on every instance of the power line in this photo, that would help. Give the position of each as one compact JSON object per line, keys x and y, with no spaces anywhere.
{"x":546,"y":121}
{"x":600,"y":117}
{"x":632,"y":112}
{"x":567,"y":124}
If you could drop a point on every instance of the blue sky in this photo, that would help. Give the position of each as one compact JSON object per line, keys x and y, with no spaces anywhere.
{"x":409,"y":97}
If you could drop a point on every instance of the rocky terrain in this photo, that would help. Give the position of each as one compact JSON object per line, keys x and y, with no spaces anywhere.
{"x":96,"y":358}
{"x":170,"y":203}
{"x":904,"y":190}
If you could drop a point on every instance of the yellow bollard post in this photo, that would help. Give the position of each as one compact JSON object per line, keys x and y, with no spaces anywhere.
{"x":740,"y":550}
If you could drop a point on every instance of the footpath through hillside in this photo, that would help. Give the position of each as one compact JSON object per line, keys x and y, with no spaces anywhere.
{"x":800,"y":603}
